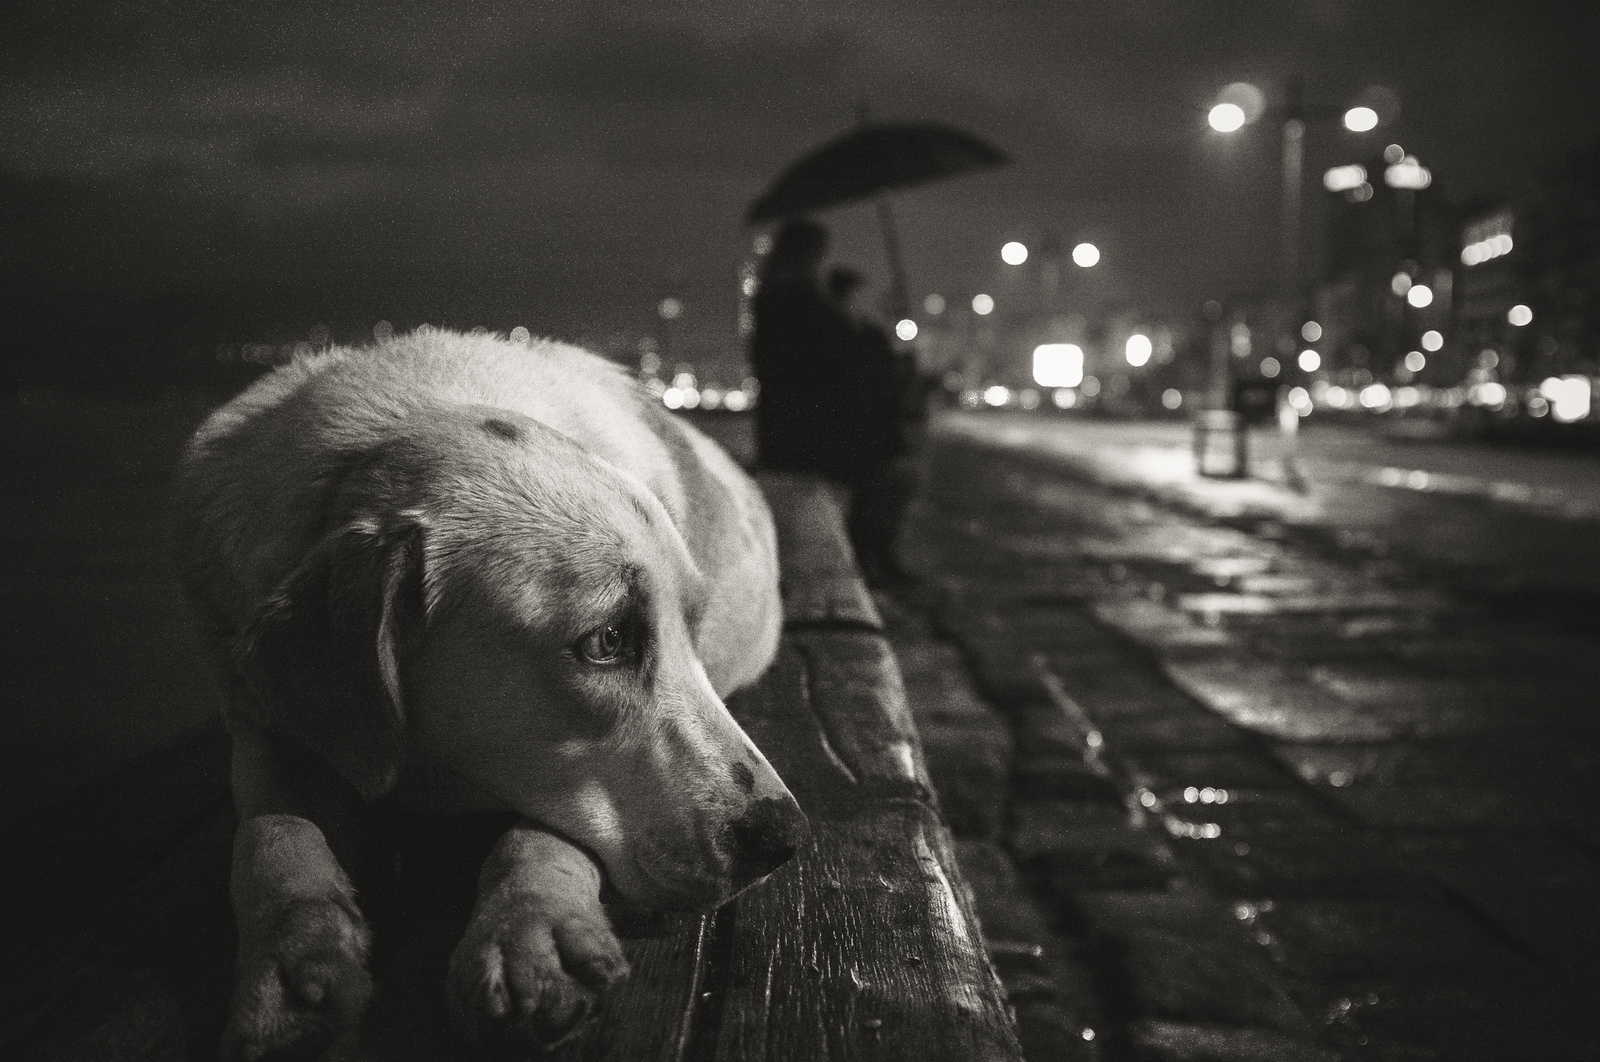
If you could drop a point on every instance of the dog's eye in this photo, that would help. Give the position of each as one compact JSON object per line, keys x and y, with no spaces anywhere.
{"x":603,"y":645}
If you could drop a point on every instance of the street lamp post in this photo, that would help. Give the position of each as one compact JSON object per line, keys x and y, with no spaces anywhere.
{"x":1239,"y":105}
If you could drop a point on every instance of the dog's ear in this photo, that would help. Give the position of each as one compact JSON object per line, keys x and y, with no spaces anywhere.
{"x":323,"y":657}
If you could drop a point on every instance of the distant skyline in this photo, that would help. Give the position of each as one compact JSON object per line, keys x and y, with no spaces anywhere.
{"x":565,"y":166}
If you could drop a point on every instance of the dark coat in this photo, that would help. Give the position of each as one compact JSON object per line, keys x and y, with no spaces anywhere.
{"x":821,"y":401}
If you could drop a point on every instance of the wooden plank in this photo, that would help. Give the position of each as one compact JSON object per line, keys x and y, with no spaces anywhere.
{"x":817,"y":569}
{"x":863,"y":949}
{"x":858,"y":697}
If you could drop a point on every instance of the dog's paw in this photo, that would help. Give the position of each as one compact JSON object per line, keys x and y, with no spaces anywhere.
{"x":302,"y":986}
{"x":531,"y":968}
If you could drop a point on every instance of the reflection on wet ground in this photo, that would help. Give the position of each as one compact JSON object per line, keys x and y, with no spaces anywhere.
{"x":1290,"y":798}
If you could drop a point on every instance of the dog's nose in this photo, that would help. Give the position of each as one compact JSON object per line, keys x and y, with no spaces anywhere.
{"x":766,"y":837}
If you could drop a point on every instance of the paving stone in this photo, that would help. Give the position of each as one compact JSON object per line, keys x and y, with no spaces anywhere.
{"x":1435,"y":806}
{"x":1046,"y":827}
{"x":1177,"y":1041}
{"x":1049,"y":1033}
{"x":1185,"y":909}
{"x":1318,"y":863}
{"x":1188,"y":731}
{"x":1397,"y":762}
{"x":1170,"y":768}
{"x":1342,"y":938}
{"x":1259,"y":696}
{"x":1103,"y":857}
{"x":1128,"y":687}
{"x":1041,"y":728}
{"x":1205,"y":979}
{"x":1160,"y":627}
{"x":1542,"y":1019}
{"x":1047,"y":774}
{"x":1535,"y":886}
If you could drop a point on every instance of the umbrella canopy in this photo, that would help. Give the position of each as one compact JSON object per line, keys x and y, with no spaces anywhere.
{"x":871,"y":159}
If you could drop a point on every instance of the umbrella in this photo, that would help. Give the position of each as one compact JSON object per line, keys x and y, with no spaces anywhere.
{"x":869,"y":160}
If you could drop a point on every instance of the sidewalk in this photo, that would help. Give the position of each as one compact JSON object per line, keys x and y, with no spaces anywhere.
{"x":1221,"y":797}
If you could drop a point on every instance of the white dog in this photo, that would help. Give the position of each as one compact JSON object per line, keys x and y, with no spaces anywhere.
{"x":477,"y":574}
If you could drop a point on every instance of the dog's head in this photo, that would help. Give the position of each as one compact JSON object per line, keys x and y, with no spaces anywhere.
{"x":499,"y":602}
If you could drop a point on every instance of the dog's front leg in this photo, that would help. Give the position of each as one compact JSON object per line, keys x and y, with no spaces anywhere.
{"x":302,"y":982}
{"x":539,"y":949}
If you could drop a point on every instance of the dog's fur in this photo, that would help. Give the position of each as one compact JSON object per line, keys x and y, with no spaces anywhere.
{"x":477,"y":574}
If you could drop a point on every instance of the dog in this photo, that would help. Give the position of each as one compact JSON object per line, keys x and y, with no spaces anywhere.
{"x":465,"y":573}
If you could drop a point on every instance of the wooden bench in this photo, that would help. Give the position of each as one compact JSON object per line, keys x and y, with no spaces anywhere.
{"x":119,"y":940}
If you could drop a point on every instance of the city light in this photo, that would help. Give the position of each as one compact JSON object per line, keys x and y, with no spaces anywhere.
{"x":1432,"y":340}
{"x":982,"y":305}
{"x":1270,"y":367}
{"x":1058,"y":365}
{"x":1483,"y":250}
{"x":1360,"y":119}
{"x":1375,"y":396}
{"x":1014,"y":253}
{"x":1226,"y":117}
{"x":1309,"y":361}
{"x":1311,"y":331}
{"x":906,"y":329}
{"x":1138,"y":349}
{"x":1409,"y":174}
{"x":1519,"y":315}
{"x":1344,"y":178}
{"x":1419,"y":295}
{"x":1416,"y":361}
{"x":670,"y":308}
{"x":1491,"y":395}
{"x":1569,"y":397}
{"x":933,"y":305}
{"x":1086,"y":254}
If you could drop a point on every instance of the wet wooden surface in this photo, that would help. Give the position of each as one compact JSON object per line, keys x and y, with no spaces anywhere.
{"x":120,"y":940}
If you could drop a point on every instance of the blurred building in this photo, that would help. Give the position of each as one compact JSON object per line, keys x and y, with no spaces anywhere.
{"x":1530,"y":275}
{"x":1389,"y":229}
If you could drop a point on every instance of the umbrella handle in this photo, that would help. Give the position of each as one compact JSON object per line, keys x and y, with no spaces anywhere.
{"x":899,"y":289}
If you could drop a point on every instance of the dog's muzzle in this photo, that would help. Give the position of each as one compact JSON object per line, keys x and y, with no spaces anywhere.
{"x":764,"y":838}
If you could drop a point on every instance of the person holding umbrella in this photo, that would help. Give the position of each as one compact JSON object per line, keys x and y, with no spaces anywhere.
{"x":830,"y":394}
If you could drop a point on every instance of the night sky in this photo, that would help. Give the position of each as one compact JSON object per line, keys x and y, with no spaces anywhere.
{"x":225,"y":170}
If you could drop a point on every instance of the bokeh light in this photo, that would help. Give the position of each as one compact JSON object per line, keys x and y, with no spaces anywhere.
{"x":1416,"y":361}
{"x":1309,"y":361}
{"x":1014,"y":253}
{"x":906,"y":329}
{"x":1432,"y":340}
{"x":1311,"y":331}
{"x":982,"y":305}
{"x":1419,"y":295}
{"x":1360,"y":119}
{"x":1226,"y":117}
{"x":1138,"y":349}
{"x":1519,"y":315}
{"x":1058,"y":365}
{"x":1086,"y":254}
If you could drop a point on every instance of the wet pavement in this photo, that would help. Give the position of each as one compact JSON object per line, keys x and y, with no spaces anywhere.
{"x":1231,"y":787}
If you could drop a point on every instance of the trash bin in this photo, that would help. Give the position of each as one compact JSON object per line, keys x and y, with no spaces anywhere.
{"x":1220,"y":444}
